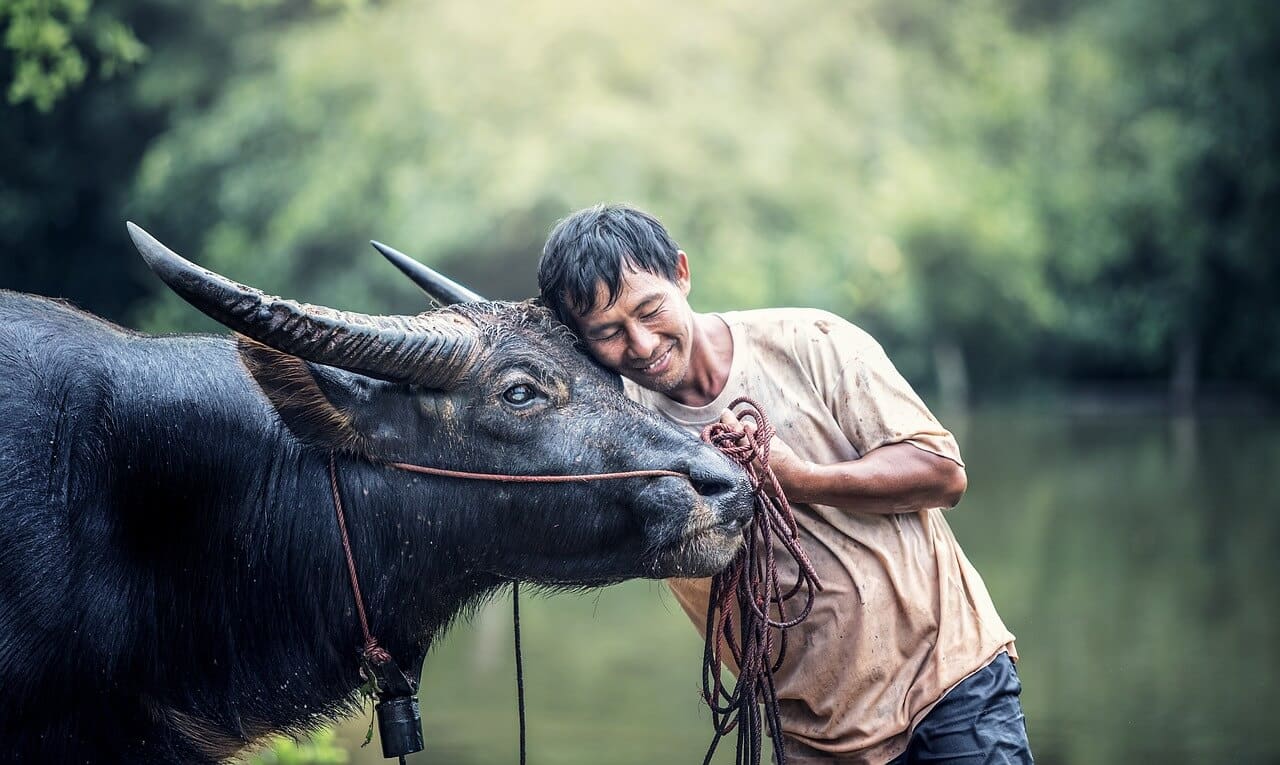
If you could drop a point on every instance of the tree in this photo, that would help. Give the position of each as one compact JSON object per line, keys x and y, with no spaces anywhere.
{"x":69,"y":154}
{"x":1160,"y":190}
{"x":51,"y":42}
{"x":1001,"y":190}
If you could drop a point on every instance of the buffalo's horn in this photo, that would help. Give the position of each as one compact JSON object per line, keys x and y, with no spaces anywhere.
{"x":433,"y":350}
{"x":437,"y":286}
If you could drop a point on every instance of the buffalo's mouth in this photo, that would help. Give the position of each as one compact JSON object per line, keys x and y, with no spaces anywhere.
{"x":710,"y":540}
{"x":711,"y":536}
{"x":700,"y":551}
{"x":705,"y":553}
{"x":699,"y":542}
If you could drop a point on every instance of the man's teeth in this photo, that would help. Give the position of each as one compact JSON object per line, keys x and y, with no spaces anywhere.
{"x":657,"y":361}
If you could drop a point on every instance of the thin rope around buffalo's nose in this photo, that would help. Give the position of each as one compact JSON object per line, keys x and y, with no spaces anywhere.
{"x":504,"y":478}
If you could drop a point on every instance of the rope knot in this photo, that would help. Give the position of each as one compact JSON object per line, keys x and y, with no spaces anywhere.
{"x":374,"y":653}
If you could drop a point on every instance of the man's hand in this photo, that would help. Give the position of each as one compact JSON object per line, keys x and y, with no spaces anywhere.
{"x":787,"y":466}
{"x":895,"y":478}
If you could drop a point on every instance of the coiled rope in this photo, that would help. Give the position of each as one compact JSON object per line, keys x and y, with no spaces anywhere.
{"x":749,"y":588}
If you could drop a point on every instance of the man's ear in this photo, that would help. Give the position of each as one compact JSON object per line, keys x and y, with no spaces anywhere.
{"x":312,"y":400}
{"x":683,"y":279}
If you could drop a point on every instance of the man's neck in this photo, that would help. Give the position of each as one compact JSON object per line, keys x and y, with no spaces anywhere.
{"x":710,"y":359}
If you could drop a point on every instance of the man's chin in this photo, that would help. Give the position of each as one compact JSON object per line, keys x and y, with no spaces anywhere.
{"x":659,"y":384}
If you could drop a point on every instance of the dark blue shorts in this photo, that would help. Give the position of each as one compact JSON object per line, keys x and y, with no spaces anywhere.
{"x":980,"y":722}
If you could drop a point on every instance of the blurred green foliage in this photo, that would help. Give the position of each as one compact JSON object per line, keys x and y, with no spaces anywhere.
{"x":1006,"y":192}
{"x":319,"y":749}
{"x":48,"y":40}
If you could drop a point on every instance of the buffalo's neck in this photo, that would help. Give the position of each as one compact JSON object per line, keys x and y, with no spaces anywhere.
{"x":249,"y":586}
{"x":410,"y":550}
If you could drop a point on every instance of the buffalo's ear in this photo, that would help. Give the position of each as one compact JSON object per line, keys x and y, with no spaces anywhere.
{"x":308,"y":397}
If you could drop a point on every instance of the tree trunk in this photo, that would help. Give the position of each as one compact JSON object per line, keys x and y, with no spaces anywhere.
{"x":953,"y":375}
{"x":1182,"y":381}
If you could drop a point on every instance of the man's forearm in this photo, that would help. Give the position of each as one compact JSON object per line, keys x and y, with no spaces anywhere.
{"x":898,"y":478}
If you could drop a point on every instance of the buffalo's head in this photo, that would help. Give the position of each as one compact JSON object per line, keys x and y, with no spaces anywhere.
{"x":495,"y":388}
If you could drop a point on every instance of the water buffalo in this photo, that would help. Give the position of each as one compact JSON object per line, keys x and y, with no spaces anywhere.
{"x":172,"y":583}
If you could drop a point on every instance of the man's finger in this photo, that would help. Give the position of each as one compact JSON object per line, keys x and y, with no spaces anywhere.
{"x":731,"y":421}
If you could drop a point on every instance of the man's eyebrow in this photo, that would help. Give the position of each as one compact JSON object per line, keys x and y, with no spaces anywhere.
{"x":648,"y":299}
{"x":595,"y":329}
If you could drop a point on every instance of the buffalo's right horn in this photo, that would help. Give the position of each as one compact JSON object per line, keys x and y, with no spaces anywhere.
{"x":437,"y":286}
{"x":432,"y":350}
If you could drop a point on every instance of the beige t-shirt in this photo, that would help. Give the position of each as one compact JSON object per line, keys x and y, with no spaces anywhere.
{"x":903,"y":616}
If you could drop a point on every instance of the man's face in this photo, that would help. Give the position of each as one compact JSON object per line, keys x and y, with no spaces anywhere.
{"x":646,"y":335}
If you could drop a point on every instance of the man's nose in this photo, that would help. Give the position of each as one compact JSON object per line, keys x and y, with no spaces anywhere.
{"x":643,"y":343}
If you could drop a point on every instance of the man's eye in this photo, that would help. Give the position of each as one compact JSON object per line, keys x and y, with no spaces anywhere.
{"x":520,"y":395}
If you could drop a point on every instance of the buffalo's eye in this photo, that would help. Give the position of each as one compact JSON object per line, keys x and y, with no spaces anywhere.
{"x":520,"y":395}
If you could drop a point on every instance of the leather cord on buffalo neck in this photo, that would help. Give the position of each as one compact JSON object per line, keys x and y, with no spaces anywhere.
{"x":750,"y":588}
{"x":393,"y":686}
{"x":399,"y":721}
{"x":371,"y":651}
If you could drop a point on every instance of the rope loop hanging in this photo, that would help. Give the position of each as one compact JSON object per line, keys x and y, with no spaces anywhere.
{"x":747,"y":612}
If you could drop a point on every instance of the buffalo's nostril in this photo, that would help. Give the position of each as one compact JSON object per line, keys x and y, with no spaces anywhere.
{"x":714,"y":476}
{"x":711,"y":486}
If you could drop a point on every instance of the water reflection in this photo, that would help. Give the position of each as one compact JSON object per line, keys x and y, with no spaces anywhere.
{"x":1134,"y":557}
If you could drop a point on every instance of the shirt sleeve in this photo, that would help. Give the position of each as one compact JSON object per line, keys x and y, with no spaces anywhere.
{"x":875,"y":405}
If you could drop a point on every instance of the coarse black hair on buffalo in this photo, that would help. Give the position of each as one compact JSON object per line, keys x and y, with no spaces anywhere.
{"x":227,"y":510}
{"x":173,"y":583}
{"x":591,"y":247}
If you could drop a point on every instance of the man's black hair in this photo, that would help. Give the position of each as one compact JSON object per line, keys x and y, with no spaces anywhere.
{"x":592,"y":246}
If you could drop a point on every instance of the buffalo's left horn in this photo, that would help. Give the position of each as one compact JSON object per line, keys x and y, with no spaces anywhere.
{"x":433,"y":350}
{"x":437,"y":286}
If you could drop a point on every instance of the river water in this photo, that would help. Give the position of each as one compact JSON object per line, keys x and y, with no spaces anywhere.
{"x":1137,"y":559}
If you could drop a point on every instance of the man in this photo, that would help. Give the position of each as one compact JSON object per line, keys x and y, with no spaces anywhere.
{"x":904,"y":657}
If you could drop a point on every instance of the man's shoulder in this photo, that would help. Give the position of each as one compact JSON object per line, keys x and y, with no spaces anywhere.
{"x":780,"y":315}
{"x":814,"y":326}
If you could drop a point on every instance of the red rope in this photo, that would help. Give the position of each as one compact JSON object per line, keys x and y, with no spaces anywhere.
{"x":372,"y":651}
{"x":750,"y":588}
{"x":535,"y":478}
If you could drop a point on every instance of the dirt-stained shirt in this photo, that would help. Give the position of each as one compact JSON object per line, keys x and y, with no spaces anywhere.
{"x":903,"y":616}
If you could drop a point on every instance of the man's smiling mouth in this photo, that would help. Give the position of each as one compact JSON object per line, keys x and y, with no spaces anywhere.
{"x":659,"y":364}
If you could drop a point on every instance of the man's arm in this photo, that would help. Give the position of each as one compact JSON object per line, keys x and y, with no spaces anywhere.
{"x":895,"y":478}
